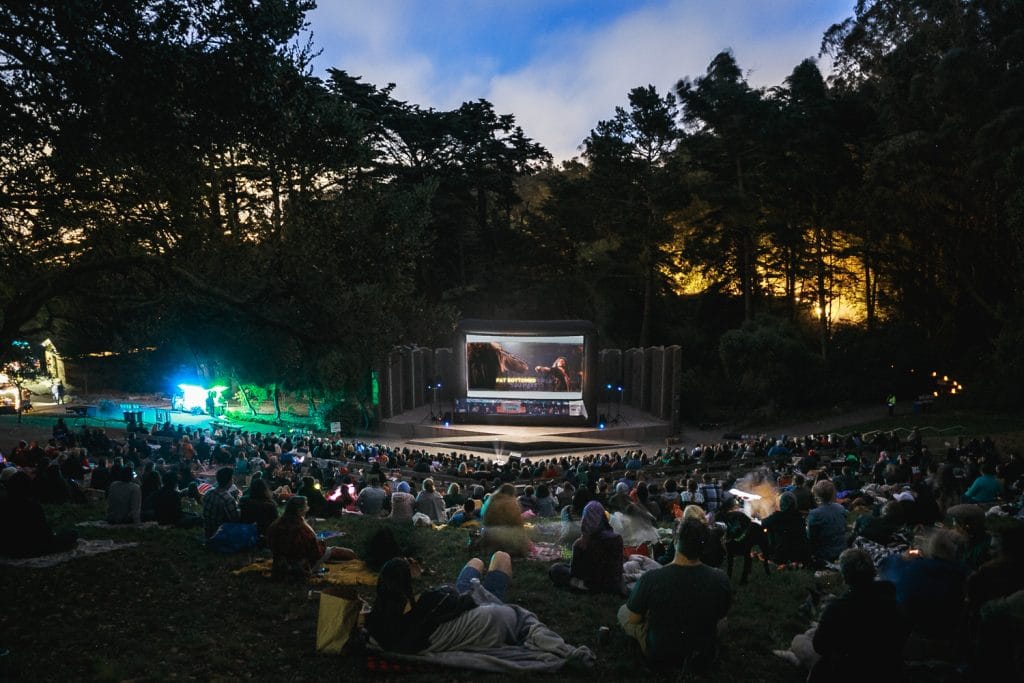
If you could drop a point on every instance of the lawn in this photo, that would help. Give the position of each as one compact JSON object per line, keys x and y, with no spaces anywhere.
{"x":169,"y":609}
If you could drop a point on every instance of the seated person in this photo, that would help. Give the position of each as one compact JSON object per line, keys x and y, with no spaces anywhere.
{"x":675,"y":612}
{"x":848,"y":480}
{"x":257,"y":507}
{"x":402,"y":503}
{"x":786,"y":534}
{"x":528,"y":501}
{"x":430,"y":503}
{"x":466,"y":517}
{"x":620,"y":501}
{"x":596,"y":556}
{"x":24,"y":531}
{"x":370,"y":500}
{"x":969,"y":521}
{"x":986,"y":488}
{"x":826,"y":524}
{"x":60,"y":430}
{"x":165,"y":505}
{"x":503,"y":523}
{"x":883,"y":529}
{"x":469,"y":617}
{"x":219,"y":505}
{"x":546,"y":503}
{"x":996,"y":602}
{"x":454,"y":497}
{"x":310,"y":489}
{"x":1003,"y":574}
{"x":931,"y":589}
{"x":868,"y":606}
{"x":124,"y":498}
{"x":297,"y":551}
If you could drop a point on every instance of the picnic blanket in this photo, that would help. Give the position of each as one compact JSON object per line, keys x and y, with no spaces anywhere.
{"x":104,"y":524}
{"x":538,"y":648}
{"x":84,"y":548}
{"x":877,"y":551}
{"x":541,"y":551}
{"x":351,"y":573}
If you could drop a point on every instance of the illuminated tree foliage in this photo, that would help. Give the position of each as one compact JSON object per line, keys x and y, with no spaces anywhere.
{"x":172,"y":175}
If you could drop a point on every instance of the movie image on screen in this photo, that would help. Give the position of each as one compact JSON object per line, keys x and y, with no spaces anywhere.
{"x":500,"y":366}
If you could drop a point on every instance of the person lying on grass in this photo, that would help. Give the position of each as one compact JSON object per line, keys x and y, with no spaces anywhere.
{"x":297,"y":551}
{"x":402,"y":623}
{"x":467,"y":625}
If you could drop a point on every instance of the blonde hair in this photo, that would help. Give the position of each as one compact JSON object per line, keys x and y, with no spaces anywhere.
{"x":695,"y":512}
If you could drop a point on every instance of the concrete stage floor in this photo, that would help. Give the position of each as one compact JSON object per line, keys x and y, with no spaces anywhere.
{"x":634,"y":429}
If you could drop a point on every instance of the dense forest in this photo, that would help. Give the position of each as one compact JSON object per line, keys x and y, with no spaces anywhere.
{"x":174,"y":177}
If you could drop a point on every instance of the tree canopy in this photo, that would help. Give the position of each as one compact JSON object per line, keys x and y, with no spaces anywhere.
{"x":174,"y":176}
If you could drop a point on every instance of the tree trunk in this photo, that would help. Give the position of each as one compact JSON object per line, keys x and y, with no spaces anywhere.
{"x":869,"y":294}
{"x":747,"y":276}
{"x":311,"y":406}
{"x":819,"y":244}
{"x":248,"y":401}
{"x":791,"y":283}
{"x":747,"y":280}
{"x":645,"y":321}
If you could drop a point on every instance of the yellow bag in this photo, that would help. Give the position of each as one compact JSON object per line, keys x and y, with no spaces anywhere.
{"x":339,"y":612}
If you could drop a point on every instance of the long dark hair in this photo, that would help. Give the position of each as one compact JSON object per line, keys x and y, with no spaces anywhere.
{"x":394,"y":593}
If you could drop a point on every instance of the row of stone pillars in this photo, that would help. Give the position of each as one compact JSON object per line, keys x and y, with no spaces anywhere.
{"x":651,"y":380}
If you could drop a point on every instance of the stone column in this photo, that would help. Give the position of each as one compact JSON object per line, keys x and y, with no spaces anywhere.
{"x":674,"y":361}
{"x":658,"y":404}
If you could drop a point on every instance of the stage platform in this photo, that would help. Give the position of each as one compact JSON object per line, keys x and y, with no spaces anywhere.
{"x":632,"y":430}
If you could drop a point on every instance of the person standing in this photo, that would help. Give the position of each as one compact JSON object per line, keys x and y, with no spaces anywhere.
{"x":675,"y":612}
{"x":890,"y":401}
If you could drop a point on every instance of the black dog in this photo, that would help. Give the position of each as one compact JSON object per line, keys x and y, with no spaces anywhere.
{"x":741,"y":535}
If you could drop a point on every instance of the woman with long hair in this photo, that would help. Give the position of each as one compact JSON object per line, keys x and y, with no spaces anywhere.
{"x":257,"y":506}
{"x":297,"y":551}
{"x":402,"y":622}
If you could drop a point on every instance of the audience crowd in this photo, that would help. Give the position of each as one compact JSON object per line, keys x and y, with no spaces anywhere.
{"x":932,"y":539}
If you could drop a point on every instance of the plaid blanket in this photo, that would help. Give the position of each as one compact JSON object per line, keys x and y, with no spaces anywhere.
{"x":541,"y":551}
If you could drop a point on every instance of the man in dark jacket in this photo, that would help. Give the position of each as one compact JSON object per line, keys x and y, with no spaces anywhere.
{"x":869,"y":607}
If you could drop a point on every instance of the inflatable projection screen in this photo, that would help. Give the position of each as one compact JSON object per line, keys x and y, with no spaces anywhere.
{"x":525,"y":372}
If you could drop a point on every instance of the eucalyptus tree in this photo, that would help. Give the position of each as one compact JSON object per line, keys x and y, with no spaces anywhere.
{"x":469,"y":159}
{"x":726,"y":122}
{"x":943,"y":173}
{"x":634,"y":190}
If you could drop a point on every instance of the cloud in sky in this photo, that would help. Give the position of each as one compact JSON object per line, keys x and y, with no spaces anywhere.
{"x":560,"y":66}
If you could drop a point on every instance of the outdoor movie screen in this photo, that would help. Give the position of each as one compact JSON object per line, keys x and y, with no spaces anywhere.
{"x":527,"y":367}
